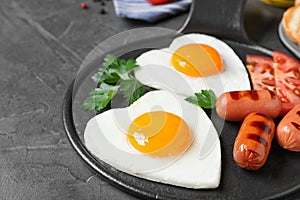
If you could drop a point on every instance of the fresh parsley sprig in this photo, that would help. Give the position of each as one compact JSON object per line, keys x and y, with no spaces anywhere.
{"x":100,"y":97}
{"x":114,"y":76}
{"x":205,"y":99}
{"x":114,"y":69}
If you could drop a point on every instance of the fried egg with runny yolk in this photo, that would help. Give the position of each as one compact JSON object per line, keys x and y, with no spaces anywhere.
{"x":159,"y":134}
{"x":193,"y":62}
{"x":197,"y":60}
{"x":160,"y":137}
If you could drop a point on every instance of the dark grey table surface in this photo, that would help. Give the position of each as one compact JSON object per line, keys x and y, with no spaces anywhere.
{"x":42,"y":44}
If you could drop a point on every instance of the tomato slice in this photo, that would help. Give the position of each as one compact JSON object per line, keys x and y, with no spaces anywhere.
{"x":261,"y":72}
{"x":287,"y":80}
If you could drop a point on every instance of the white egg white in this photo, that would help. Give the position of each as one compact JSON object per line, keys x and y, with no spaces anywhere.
{"x":198,"y":167}
{"x":156,"y":69}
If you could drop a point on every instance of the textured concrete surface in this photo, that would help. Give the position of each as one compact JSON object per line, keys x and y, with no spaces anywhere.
{"x":42,"y":44}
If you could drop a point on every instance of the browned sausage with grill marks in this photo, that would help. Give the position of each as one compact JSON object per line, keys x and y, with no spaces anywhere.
{"x":236,"y":105}
{"x":288,"y":130}
{"x":253,"y":142}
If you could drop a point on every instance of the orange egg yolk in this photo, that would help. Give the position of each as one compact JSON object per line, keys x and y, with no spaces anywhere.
{"x":159,"y":134}
{"x":197,"y":60}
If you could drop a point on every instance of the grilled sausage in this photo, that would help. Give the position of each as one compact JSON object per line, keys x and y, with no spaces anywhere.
{"x":235,"y":106}
{"x":253,"y":142}
{"x":288,"y":130}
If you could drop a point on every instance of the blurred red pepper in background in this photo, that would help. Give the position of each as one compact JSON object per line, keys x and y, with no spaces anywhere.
{"x":157,"y":2}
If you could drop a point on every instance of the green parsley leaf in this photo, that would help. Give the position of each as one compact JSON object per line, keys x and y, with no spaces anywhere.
{"x":100,"y":97}
{"x":205,"y":99}
{"x":114,"y":75}
{"x":108,"y":60}
{"x":114,"y":70}
{"x":132,"y":89}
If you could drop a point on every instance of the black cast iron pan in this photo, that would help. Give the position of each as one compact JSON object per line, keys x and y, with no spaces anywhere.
{"x":280,"y":175}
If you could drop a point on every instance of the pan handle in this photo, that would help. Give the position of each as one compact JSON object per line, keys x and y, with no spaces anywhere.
{"x":221,"y":18}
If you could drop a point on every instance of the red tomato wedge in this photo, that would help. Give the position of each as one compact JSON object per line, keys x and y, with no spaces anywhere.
{"x":157,"y":2}
{"x":287,"y":80}
{"x":280,"y":74}
{"x":261,"y":72}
